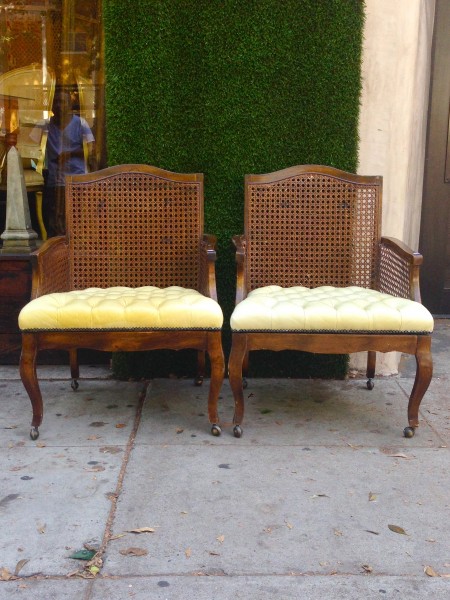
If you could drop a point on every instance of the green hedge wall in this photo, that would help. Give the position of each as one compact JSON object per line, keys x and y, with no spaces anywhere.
{"x":233,"y":87}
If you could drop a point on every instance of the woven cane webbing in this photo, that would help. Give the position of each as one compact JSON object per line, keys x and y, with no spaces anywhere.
{"x":312,"y":226}
{"x":55,"y":262}
{"x":134,"y":225}
{"x":394,"y":273}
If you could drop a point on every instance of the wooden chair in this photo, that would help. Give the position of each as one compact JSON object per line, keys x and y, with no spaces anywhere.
{"x":133,"y":272}
{"x":315,"y":274}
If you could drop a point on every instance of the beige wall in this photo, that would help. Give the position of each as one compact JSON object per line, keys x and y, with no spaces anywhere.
{"x":392,"y":127}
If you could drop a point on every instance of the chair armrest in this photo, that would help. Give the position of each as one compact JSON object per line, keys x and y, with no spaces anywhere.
{"x":240,"y":244}
{"x":50,"y":264}
{"x":207,"y":273}
{"x":399,"y":269}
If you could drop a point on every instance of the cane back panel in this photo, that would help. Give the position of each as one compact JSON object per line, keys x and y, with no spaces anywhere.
{"x":312,"y":225}
{"x":134,"y":225}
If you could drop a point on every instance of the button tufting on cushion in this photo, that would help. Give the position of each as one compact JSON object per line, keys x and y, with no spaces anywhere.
{"x":329,"y":309}
{"x":122,"y":308}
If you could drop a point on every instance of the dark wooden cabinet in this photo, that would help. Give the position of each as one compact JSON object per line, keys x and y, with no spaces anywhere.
{"x":15,"y":292}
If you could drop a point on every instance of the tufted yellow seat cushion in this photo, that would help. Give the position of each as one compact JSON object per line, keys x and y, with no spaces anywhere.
{"x":121,"y":308}
{"x":329,"y":309}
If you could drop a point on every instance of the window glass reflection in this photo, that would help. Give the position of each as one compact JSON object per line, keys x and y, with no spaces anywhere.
{"x":51,"y":93}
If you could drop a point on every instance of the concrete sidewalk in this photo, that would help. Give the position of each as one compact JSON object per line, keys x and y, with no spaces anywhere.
{"x":321,"y":498}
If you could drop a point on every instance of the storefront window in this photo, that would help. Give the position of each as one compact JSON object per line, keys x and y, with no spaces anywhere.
{"x":52,"y":50}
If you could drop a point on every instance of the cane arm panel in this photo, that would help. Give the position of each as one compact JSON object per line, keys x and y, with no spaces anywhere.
{"x":239,"y":242}
{"x":51,"y":268}
{"x":399,"y":269}
{"x":207,"y":271}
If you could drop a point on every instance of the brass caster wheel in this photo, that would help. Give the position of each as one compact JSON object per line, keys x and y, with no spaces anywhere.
{"x":370,"y":384}
{"x":34,"y":433}
{"x":216,"y":430}
{"x":244,"y":383}
{"x":74,"y":385}
{"x":408,"y":432}
{"x":237,"y":431}
{"x":198,"y":380}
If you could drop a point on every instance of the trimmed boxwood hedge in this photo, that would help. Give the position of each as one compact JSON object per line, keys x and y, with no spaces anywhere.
{"x":227,"y":88}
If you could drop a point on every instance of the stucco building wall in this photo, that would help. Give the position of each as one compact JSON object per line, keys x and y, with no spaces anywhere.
{"x":393,"y":118}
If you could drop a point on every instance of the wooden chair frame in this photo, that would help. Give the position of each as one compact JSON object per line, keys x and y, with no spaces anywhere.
{"x":392,"y":267}
{"x":61,"y":265}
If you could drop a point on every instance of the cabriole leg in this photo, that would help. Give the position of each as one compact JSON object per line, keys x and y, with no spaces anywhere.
{"x":371,"y":364}
{"x":74,"y":368}
{"x":217,"y":360}
{"x":235,"y":364}
{"x":30,"y":381}
{"x":424,"y":373}
{"x":201,"y":362}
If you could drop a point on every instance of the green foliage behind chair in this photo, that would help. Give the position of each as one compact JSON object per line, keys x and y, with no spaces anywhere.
{"x":228,"y":88}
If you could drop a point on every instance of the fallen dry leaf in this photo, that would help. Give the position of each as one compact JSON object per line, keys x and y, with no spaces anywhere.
{"x":5,"y":575}
{"x":72,"y":573}
{"x":212,"y":553}
{"x":110,"y":449}
{"x":117,"y":536}
{"x":367,"y":568}
{"x":40,"y":445}
{"x":188,"y":552}
{"x":401,"y":455}
{"x":430,"y":572}
{"x":120,"y":425}
{"x":220,"y":538}
{"x":142,"y":530}
{"x":41,"y":528}
{"x":289,"y":525}
{"x":180,"y":430}
{"x":397,"y":529}
{"x":93,"y":437}
{"x":133,"y":551}
{"x":20,"y":565}
{"x":337,"y":532}
{"x":372,"y":497}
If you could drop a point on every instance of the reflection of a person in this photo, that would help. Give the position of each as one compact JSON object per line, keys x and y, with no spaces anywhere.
{"x":64,"y":156}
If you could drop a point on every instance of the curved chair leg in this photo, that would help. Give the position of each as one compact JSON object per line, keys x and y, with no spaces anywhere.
{"x":30,"y":381}
{"x":217,"y":360}
{"x":40,"y":217}
{"x":424,"y":373}
{"x":201,"y":362}
{"x":370,"y":372}
{"x":74,"y":368}
{"x":235,"y":363}
{"x":245,"y":367}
